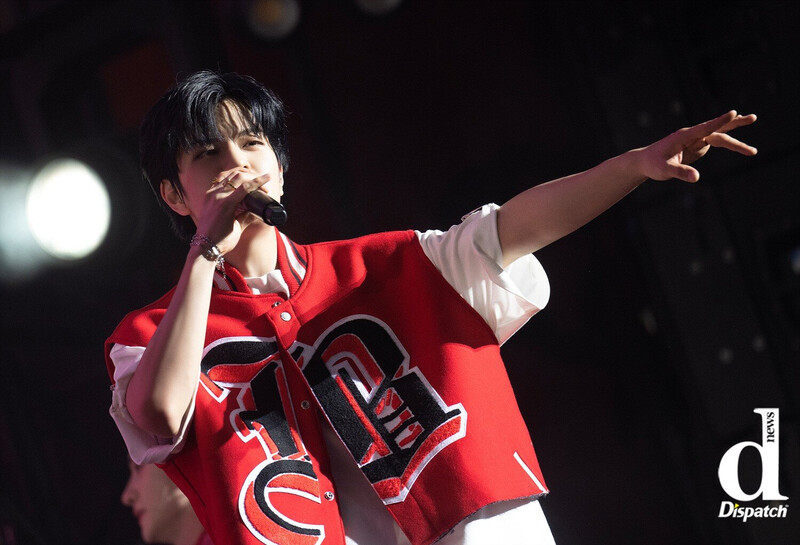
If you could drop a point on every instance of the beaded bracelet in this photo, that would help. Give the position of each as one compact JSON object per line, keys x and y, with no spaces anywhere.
{"x":210,"y":250}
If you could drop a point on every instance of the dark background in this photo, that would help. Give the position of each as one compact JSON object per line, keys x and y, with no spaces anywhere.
{"x":672,"y":316}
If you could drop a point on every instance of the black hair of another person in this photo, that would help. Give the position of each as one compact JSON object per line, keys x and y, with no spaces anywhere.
{"x":185,"y":118}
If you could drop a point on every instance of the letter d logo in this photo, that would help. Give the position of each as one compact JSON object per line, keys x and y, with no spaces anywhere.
{"x":768,"y":449}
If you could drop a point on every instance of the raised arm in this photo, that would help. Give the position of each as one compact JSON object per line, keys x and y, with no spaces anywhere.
{"x":545,"y":213}
{"x":161,"y":390}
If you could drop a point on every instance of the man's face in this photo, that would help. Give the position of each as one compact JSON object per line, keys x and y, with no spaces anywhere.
{"x":240,"y":150}
{"x":155,"y":501}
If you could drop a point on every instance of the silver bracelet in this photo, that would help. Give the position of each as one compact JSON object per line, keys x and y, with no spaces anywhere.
{"x":210,"y":250}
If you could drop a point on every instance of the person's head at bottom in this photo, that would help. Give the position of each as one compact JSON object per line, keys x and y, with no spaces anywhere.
{"x":163,"y":512}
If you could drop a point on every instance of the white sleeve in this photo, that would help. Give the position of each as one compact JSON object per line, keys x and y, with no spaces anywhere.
{"x":470,"y":258}
{"x":143,"y":447}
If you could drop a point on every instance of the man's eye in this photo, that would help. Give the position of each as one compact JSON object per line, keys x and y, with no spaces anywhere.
{"x":203,"y":152}
{"x":255,"y":143}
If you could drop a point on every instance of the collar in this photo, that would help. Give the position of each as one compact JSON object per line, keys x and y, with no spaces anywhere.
{"x":292,"y":263}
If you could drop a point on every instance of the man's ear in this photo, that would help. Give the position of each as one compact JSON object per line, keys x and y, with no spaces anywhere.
{"x":173,"y":197}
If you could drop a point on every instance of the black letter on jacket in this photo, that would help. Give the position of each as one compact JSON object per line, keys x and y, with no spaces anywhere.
{"x":269,"y":408}
{"x":378,"y":436}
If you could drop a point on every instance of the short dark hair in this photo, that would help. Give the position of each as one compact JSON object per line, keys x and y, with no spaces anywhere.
{"x":185,"y":117}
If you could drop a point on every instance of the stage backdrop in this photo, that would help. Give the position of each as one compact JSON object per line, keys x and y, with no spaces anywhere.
{"x":671,"y":341}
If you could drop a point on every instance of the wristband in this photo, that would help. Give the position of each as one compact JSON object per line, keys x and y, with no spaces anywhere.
{"x":210,"y":250}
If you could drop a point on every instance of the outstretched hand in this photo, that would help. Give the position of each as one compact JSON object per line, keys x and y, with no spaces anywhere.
{"x":670,"y":157}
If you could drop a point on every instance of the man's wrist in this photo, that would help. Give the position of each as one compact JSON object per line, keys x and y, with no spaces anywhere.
{"x":630,"y":166}
{"x":208,"y":250}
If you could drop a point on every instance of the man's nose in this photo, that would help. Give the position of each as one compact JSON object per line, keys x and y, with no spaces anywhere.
{"x":233,"y":157}
{"x":127,"y":494}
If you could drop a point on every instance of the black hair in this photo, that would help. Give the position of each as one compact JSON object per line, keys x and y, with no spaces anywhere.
{"x":185,"y":118}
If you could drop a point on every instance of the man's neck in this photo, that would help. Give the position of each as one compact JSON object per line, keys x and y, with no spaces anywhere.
{"x":188,"y":530}
{"x":256,"y":254}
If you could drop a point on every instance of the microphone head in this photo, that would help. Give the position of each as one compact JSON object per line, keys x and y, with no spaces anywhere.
{"x":265,"y":207}
{"x":275,"y":215}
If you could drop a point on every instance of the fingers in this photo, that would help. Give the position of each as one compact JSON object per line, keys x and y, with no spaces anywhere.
{"x":722,"y":140}
{"x":237,"y":181}
{"x":722,"y":124}
{"x":739,"y":121}
{"x":709,"y":127}
{"x":221,"y":184}
{"x":683,"y":172}
{"x":714,"y":133}
{"x":670,"y":157}
{"x":250,"y":183}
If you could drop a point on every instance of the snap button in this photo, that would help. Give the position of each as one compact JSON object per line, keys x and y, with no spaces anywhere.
{"x":285,"y":316}
{"x":305,"y":404}
{"x":275,"y":304}
{"x":329,"y":495}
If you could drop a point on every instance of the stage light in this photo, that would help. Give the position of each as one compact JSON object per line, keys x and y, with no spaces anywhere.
{"x":54,"y":215}
{"x":68,"y":209}
{"x":20,"y":255}
{"x":271,"y":19}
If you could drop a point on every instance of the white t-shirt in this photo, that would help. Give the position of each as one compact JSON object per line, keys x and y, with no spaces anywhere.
{"x":470,"y":258}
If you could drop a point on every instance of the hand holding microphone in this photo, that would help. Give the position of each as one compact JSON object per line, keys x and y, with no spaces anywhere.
{"x":259,"y":203}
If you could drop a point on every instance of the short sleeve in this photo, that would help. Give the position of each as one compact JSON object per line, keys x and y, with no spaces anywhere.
{"x":143,"y":447}
{"x":470,"y":258}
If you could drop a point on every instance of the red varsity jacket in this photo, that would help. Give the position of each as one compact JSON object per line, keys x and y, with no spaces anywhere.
{"x":374,"y":339}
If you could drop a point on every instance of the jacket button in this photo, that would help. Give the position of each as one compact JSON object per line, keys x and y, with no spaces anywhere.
{"x":329,"y":495}
{"x":275,"y":304}
{"x":305,"y":404}
{"x":285,"y":316}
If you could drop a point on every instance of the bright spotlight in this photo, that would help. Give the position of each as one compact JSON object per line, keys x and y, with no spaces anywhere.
{"x":68,"y":209}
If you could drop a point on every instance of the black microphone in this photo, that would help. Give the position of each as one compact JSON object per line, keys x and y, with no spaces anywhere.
{"x":266,"y":208}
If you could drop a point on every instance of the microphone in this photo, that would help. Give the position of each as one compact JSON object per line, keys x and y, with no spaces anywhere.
{"x":265,"y":207}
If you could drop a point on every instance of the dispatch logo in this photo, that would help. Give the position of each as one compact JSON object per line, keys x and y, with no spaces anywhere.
{"x":767,"y":490}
